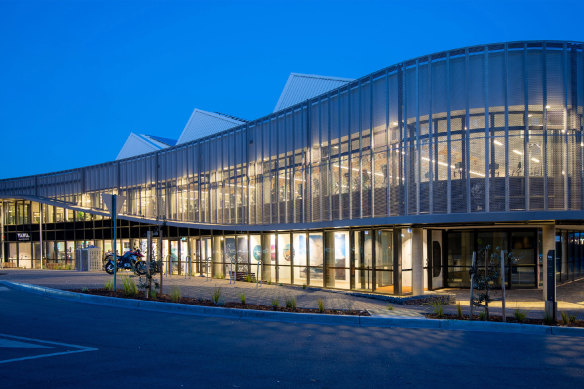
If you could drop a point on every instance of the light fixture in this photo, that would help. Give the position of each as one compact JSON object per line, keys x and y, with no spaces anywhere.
{"x":517,"y":152}
{"x":497,"y":143}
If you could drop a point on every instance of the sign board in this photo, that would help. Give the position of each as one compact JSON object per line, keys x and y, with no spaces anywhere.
{"x":108,"y":199}
{"x":23,"y":236}
{"x":551,"y":275}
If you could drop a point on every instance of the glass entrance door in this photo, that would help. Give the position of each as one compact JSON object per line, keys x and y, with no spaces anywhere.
{"x":384,"y":262}
{"x":205,"y":256}
{"x":183,"y":262}
{"x":363,"y":260}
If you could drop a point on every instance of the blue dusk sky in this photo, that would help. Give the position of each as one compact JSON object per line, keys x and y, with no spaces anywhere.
{"x":76,"y":77}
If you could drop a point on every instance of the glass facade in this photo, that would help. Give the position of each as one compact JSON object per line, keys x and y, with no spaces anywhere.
{"x":495,"y":128}
{"x":324,"y":193}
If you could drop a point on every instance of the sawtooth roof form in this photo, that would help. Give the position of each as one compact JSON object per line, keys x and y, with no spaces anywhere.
{"x":203,"y":123}
{"x":138,"y":144}
{"x":300,"y":87}
{"x":166,"y":141}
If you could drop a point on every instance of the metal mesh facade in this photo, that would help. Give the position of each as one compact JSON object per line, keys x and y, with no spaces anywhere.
{"x":493,"y":128}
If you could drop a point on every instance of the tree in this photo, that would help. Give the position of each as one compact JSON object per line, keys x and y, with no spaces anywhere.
{"x":483,"y":278}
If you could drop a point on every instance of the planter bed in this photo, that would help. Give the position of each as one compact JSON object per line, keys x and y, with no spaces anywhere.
{"x":194,"y":301}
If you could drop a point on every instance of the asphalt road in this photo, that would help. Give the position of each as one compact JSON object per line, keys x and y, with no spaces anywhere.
{"x":100,"y":346}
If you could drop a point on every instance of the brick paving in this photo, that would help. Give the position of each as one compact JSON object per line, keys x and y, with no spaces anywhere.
{"x":570,"y":296}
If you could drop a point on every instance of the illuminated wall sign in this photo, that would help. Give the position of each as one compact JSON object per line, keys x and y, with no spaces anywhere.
{"x":23,"y":235}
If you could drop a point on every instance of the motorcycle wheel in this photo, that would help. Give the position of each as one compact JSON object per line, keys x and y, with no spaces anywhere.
{"x":140,"y":268}
{"x":109,"y":268}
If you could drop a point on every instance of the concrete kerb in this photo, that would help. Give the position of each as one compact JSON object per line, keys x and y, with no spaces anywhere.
{"x":289,"y":317}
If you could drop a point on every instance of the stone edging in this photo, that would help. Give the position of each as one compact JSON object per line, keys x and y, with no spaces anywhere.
{"x":289,"y":317}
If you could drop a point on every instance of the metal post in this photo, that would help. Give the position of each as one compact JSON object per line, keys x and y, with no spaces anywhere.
{"x":503,"y":284}
{"x":474,"y":264}
{"x":160,"y":257}
{"x":2,"y":233}
{"x":207,"y":260}
{"x":231,"y":274}
{"x":148,"y":259}
{"x":259,"y":274}
{"x":115,"y":219}
{"x":41,"y":233}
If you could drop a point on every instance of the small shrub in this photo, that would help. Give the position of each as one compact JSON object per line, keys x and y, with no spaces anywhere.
{"x":565,"y":319}
{"x":548,"y":320}
{"x":130,"y":288}
{"x":303,"y":286}
{"x":242,"y":298}
{"x":483,"y":315}
{"x":459,"y":311}
{"x":389,"y":307}
{"x":275,"y":303}
{"x":175,"y":294}
{"x":216,"y":296}
{"x":320,"y":306}
{"x":520,"y":315}
{"x":153,"y":294}
{"x":568,"y":319}
{"x":438,"y":308}
{"x":269,"y":282}
{"x":248,"y":278}
{"x":85,"y":290}
{"x":291,"y":303}
{"x":109,"y":285}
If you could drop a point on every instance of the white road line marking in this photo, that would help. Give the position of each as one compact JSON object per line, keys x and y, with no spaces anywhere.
{"x":78,"y":349}
{"x":7,"y":343}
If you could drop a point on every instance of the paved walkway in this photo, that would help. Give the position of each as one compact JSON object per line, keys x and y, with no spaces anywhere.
{"x":199,"y":287}
{"x":570,"y":296}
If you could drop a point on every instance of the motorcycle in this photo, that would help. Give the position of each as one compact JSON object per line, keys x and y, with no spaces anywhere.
{"x":131,"y":260}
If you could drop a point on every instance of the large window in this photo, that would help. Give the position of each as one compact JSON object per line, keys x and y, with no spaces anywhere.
{"x":487,"y":244}
{"x":315,"y":259}
{"x":337,"y":256}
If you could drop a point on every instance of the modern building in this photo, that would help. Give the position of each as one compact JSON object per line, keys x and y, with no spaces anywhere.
{"x":387,"y":183}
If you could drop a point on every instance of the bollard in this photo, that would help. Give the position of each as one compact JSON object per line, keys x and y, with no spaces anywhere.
{"x":259,"y":274}
{"x":231,"y":273}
